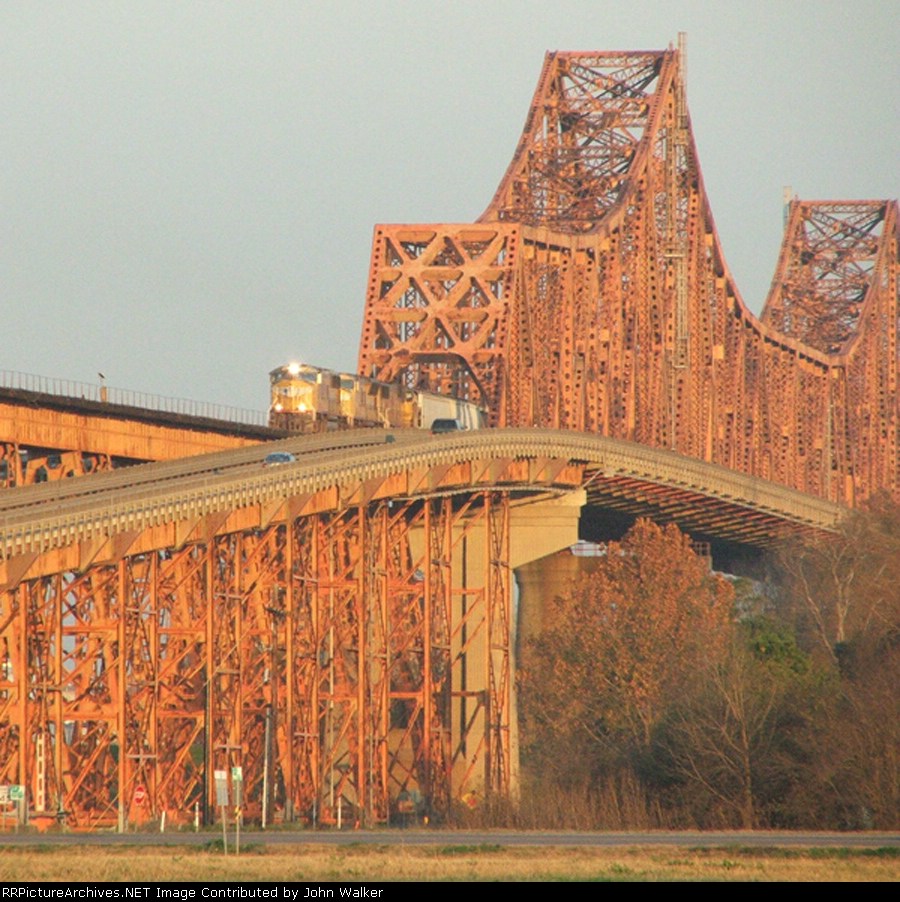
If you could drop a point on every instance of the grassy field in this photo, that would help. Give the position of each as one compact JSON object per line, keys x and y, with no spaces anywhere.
{"x":390,"y":864}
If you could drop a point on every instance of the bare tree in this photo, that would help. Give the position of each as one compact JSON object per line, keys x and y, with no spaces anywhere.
{"x":847,"y":587}
{"x":615,"y":652}
{"x":727,"y":739}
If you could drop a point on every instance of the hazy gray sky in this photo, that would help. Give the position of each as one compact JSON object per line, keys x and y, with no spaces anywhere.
{"x":189,"y":189}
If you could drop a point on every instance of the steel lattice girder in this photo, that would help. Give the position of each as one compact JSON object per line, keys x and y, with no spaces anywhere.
{"x":610,"y":308}
{"x":337,"y":659}
{"x":439,"y":317}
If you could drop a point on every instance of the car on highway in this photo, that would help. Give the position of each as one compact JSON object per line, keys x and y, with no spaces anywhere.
{"x":278,"y":457}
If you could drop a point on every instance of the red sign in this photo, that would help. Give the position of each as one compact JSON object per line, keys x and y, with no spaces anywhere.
{"x":140,"y":795}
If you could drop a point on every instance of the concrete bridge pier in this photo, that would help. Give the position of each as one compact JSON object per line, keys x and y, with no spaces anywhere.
{"x":489,"y":611}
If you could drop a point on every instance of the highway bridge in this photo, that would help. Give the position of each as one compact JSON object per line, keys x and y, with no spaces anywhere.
{"x":159,"y":603}
{"x":704,"y":500}
{"x":338,"y":634}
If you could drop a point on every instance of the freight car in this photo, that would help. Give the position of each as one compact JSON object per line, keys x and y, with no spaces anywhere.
{"x":307,"y":398}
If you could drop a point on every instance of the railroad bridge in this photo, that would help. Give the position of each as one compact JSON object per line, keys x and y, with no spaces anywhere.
{"x":342,"y":630}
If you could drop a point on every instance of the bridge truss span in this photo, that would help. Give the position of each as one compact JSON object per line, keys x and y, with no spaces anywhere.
{"x":593,"y":294}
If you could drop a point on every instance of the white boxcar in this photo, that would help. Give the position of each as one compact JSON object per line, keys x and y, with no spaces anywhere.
{"x":442,"y":407}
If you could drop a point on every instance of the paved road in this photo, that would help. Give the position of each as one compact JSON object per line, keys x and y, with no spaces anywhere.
{"x":751,"y":839}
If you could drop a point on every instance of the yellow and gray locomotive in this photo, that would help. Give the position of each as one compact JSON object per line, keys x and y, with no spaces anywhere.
{"x":307,"y":398}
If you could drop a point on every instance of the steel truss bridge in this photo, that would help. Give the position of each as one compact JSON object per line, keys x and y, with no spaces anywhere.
{"x":593,"y":295}
{"x":342,"y":629}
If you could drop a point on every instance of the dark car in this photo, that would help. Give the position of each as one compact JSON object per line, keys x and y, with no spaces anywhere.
{"x":445,"y":425}
{"x":278,"y":457}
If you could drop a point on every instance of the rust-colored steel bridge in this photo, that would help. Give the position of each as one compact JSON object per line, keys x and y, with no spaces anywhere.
{"x":340,"y":631}
{"x":53,"y":429}
{"x":593,"y":295}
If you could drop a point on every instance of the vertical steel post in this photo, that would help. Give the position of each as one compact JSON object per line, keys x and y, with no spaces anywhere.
{"x":122,"y":701}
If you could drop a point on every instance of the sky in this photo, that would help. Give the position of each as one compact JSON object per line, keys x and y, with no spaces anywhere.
{"x":188,"y":191}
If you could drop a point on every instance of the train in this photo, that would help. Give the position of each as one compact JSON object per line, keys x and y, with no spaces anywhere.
{"x":306,"y":398}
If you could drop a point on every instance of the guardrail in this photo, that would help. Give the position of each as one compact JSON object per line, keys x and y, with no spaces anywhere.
{"x":22,"y":532}
{"x":101,"y":393}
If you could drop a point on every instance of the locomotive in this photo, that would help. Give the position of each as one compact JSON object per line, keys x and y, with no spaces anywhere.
{"x":307,"y":398}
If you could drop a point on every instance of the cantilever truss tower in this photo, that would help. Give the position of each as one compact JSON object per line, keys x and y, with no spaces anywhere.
{"x":593,"y":294}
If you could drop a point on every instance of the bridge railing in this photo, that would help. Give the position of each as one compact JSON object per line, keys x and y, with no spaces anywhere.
{"x":107,"y":514}
{"x":101,"y":393}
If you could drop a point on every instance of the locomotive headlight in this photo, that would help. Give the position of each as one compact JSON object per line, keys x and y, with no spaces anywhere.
{"x":293,"y":368}
{"x":278,"y":407}
{"x":301,"y":407}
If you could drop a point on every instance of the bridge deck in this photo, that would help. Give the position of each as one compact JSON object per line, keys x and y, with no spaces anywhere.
{"x":343,"y":469}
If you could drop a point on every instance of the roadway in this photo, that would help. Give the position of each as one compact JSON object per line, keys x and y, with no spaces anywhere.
{"x":217,"y":466}
{"x":701,"y":497}
{"x":442,"y":837}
